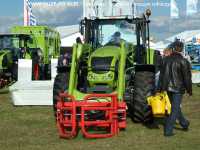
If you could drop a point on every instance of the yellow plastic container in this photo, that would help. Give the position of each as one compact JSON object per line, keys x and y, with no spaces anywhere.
{"x":160,"y":104}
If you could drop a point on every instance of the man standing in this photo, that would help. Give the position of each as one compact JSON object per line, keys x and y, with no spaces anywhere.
{"x":175,"y":78}
{"x":167,"y":52}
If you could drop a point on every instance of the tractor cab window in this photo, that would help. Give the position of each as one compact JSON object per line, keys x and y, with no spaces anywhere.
{"x":116,"y":31}
{"x":15,"y":42}
{"x":9,"y":42}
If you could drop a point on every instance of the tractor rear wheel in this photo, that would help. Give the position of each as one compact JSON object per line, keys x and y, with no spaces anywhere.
{"x":144,"y":85}
{"x":60,"y":85}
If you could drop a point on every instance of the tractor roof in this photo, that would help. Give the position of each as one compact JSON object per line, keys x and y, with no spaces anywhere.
{"x":129,"y":19}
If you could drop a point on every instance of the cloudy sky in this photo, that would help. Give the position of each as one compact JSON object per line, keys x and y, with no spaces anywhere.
{"x":11,"y":13}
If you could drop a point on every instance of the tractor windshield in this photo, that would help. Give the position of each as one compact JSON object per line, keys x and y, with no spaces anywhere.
{"x":9,"y":42}
{"x":117,"y":29}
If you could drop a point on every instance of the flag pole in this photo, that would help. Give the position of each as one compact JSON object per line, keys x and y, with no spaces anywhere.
{"x":25,"y":13}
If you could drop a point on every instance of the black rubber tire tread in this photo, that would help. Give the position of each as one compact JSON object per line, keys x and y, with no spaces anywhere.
{"x":144,"y":85}
{"x":60,"y":85}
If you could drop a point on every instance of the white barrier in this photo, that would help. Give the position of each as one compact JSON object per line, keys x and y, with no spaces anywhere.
{"x":196,"y":77}
{"x":28,"y":92}
{"x":25,"y":69}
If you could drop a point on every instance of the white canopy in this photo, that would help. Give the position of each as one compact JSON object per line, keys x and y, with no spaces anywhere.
{"x":70,"y":40}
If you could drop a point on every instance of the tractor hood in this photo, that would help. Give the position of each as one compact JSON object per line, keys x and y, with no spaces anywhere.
{"x":103,"y":65}
{"x":104,"y":58}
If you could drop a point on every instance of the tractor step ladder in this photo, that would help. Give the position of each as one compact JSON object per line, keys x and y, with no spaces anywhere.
{"x":69,"y":122}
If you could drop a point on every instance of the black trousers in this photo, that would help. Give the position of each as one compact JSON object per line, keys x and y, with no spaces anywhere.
{"x":176,"y":113}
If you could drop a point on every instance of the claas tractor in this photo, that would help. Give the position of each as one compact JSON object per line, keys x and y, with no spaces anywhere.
{"x":43,"y":45}
{"x":108,"y":78}
{"x":10,"y":52}
{"x":38,"y":43}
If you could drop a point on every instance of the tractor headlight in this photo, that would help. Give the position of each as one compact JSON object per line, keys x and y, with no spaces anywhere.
{"x":91,"y":77}
{"x":108,"y":77}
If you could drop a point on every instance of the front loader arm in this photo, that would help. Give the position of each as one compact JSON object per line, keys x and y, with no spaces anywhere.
{"x":78,"y":51}
{"x":121,"y":82}
{"x":77,"y":48}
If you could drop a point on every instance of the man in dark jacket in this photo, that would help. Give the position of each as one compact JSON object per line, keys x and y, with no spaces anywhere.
{"x":175,"y":78}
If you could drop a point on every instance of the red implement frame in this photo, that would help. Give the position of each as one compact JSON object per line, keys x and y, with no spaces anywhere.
{"x":68,"y":122}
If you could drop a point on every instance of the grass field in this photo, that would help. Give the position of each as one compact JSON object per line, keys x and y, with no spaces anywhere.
{"x":33,"y":128}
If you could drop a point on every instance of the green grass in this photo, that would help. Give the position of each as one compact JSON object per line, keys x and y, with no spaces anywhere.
{"x":33,"y":128}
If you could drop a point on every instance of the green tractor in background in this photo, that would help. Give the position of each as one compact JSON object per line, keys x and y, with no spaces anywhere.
{"x":10,"y":52}
{"x":111,"y":74}
{"x":39,"y":43}
{"x":43,"y":45}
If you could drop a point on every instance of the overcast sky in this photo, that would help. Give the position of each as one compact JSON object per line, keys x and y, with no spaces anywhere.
{"x":11,"y":13}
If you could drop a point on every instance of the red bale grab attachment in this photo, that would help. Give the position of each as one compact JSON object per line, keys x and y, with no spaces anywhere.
{"x":73,"y":115}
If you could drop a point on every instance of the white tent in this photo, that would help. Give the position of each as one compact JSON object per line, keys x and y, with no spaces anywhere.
{"x":70,"y":40}
{"x":160,"y":46}
{"x":185,"y":36}
{"x":69,"y":34}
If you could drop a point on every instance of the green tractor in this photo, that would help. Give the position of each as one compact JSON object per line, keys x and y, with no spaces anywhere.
{"x":109,"y":76}
{"x":10,"y":47}
{"x":39,"y":43}
{"x":43,"y":45}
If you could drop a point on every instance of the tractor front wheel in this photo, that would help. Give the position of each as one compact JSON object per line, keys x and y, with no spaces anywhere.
{"x":60,"y":85}
{"x":144,"y":85}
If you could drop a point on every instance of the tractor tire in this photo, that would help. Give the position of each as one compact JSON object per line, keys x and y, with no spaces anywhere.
{"x":60,"y":85}
{"x":144,"y":86}
{"x":14,"y":71}
{"x":47,"y":72}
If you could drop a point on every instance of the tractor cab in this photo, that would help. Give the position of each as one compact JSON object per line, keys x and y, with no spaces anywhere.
{"x":13,"y":43}
{"x":112,"y":41}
